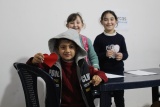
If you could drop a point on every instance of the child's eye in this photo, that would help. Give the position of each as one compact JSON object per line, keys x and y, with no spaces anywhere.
{"x":62,"y":47}
{"x":72,"y":46}
{"x":105,"y":19}
{"x":78,"y":22}
{"x":112,"y":19}
{"x":71,"y":23}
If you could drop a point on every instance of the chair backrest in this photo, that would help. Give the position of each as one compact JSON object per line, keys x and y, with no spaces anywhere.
{"x":28,"y":75}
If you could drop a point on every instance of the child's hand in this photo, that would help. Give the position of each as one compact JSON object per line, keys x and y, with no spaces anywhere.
{"x":96,"y":80}
{"x":96,"y":69}
{"x":119,"y":56}
{"x":109,"y":53}
{"x":38,"y":58}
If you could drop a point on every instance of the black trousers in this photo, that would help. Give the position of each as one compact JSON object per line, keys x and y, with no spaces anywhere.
{"x":118,"y":98}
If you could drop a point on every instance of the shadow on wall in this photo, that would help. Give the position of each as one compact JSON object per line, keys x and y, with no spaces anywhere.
{"x":14,"y":95}
{"x":147,"y":106}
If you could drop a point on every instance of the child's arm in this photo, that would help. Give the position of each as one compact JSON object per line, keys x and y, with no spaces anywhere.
{"x":124,"y":50}
{"x":109,"y":53}
{"x":119,"y":56}
{"x":97,"y":76}
{"x":101,"y":53}
{"x":37,"y":60}
{"x":96,"y":80}
{"x":92,"y":55}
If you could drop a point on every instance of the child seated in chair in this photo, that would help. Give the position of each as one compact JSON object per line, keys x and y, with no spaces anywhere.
{"x":72,"y":75}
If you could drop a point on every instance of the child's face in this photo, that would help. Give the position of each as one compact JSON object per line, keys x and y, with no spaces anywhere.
{"x":76,"y":24}
{"x":109,"y":22}
{"x":67,"y":50}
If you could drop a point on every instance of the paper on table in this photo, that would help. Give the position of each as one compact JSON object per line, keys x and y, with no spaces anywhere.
{"x":139,"y":72}
{"x":113,"y":75}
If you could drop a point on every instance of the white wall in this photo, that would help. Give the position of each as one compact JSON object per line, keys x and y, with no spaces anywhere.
{"x":26,"y":26}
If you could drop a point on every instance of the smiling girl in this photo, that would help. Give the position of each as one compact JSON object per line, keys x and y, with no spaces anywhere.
{"x":111,"y":50}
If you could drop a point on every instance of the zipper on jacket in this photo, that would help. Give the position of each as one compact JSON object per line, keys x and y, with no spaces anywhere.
{"x":60,"y":70}
{"x":79,"y":78}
